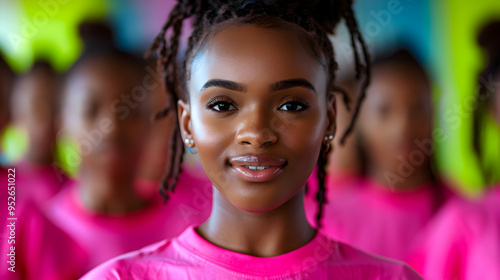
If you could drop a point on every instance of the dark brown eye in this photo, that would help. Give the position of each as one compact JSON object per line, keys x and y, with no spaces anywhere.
{"x":223,"y":107}
{"x":293,"y":106}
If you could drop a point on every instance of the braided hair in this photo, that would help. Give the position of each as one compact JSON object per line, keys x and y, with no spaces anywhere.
{"x":315,"y":19}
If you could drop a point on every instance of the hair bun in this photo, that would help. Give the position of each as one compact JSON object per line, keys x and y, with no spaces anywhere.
{"x":327,"y":13}
{"x":95,"y":35}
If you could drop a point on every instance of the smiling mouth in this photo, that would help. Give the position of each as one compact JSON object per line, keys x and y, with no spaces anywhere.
{"x":257,"y":168}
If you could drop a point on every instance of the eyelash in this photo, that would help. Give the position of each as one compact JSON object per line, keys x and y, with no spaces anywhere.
{"x":220,"y":100}
{"x":227,"y":101}
{"x":295,"y":101}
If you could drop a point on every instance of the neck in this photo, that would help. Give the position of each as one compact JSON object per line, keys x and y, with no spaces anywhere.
{"x":109,"y":194}
{"x":268,"y":234}
{"x":410,"y":180}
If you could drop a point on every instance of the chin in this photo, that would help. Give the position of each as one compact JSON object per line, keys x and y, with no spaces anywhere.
{"x":256,"y":204}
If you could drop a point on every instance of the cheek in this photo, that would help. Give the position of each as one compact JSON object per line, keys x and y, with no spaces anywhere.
{"x":211,"y":136}
{"x":375,"y":131}
{"x":423,"y":130}
{"x":302,"y":135}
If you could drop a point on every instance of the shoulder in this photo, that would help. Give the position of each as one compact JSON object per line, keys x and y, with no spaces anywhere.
{"x":361,"y":265}
{"x":145,"y":263}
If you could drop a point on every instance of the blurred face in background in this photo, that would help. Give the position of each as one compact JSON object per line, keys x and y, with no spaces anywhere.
{"x":344,"y":158}
{"x":397,"y":112}
{"x":34,"y":110}
{"x":6,"y":79}
{"x":106,"y":111}
{"x":157,"y":147}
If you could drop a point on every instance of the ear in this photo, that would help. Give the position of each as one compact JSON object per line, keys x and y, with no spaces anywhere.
{"x":331,"y":115}
{"x":184,"y":116}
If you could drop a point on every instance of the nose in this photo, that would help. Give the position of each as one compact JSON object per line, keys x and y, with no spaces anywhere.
{"x":255,"y":130}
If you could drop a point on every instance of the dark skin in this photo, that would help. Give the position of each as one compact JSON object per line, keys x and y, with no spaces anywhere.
{"x":345,"y":158}
{"x":108,"y":171}
{"x":264,"y":218}
{"x":496,"y":101}
{"x":155,"y":157}
{"x":6,"y":81}
{"x":34,"y":110}
{"x":398,"y":110}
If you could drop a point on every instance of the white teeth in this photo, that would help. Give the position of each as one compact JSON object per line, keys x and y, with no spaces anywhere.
{"x":257,"y":167}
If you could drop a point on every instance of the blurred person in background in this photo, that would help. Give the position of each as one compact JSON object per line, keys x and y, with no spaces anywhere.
{"x":193,"y":188}
{"x":344,"y":162}
{"x":107,"y":110}
{"x":35,"y":110}
{"x":157,"y":145}
{"x":31,"y":246}
{"x":398,"y":192}
{"x":463,"y":242}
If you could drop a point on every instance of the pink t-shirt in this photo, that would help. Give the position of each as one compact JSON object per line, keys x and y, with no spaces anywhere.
{"x":38,"y":182}
{"x":189,"y":256}
{"x":40,"y":249}
{"x":373,"y":218}
{"x":105,"y":236}
{"x":462,"y":242}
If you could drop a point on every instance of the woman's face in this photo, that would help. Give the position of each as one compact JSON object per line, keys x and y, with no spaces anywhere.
{"x":397,"y":112}
{"x":157,"y":146}
{"x":258,"y":112}
{"x":34,"y":108}
{"x":101,"y":112}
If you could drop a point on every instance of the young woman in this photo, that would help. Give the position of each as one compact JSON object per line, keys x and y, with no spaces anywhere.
{"x":35,"y":111}
{"x":398,"y":190}
{"x":256,"y":101}
{"x":107,"y":111}
{"x":31,"y":247}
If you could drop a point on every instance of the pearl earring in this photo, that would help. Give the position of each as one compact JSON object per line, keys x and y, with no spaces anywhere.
{"x":190,"y":146}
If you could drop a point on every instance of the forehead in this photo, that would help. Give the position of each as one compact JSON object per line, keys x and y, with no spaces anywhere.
{"x":107,"y":78}
{"x":36,"y":87}
{"x":393,"y":84}
{"x":249,"y":53}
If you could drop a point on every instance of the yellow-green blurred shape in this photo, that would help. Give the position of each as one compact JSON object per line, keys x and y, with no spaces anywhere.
{"x":14,"y":144}
{"x":45,"y":28}
{"x":491,"y":149}
{"x":68,"y":158}
{"x":459,"y":66}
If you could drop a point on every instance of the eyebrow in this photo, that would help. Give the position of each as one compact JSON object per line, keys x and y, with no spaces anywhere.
{"x":286,"y":84}
{"x":224,"y":84}
{"x":281,"y":85}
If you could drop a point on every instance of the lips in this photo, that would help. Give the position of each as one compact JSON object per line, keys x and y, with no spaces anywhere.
{"x":257,"y":168}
